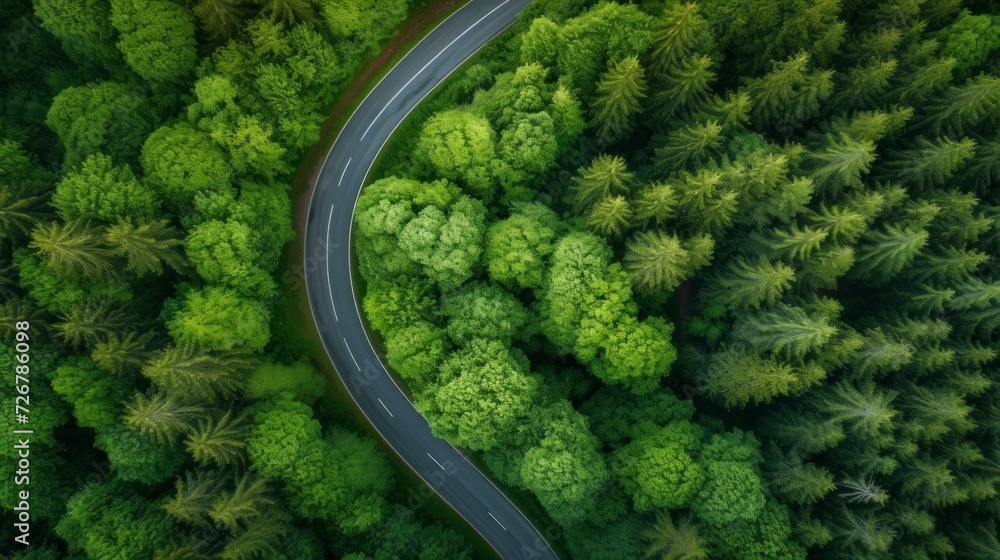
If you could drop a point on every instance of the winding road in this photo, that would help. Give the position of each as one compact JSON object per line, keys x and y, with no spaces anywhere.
{"x":331,"y":294}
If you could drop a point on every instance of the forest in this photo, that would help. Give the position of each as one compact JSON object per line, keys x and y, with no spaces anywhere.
{"x":147,"y":149}
{"x":711,"y":279}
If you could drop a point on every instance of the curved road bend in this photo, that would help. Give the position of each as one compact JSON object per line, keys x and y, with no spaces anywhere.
{"x":331,"y":294}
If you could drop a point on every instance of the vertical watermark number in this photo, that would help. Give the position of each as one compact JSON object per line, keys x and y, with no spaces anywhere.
{"x":22,"y":430}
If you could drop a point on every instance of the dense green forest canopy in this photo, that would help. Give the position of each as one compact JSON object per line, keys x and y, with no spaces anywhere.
{"x":146,"y":151}
{"x":712,"y":279}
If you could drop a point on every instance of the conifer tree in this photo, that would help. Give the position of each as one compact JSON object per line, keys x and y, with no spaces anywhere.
{"x":607,"y":175}
{"x":610,"y":217}
{"x":691,"y":145}
{"x":220,"y":439}
{"x":195,"y":494}
{"x":930,"y":163}
{"x":681,"y":31}
{"x":72,"y":248}
{"x":161,"y":417}
{"x":618,"y":102}
{"x":885,"y":253}
{"x":785,"y":331}
{"x":146,"y":247}
{"x":747,"y":285}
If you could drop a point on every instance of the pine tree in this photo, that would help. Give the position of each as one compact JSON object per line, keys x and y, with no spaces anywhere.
{"x":607,"y":175}
{"x":122,"y":354}
{"x":886,"y":253}
{"x":948,"y":266}
{"x":88,"y":323}
{"x":618,"y":101}
{"x":72,"y":248}
{"x":685,"y":90}
{"x":161,"y":417}
{"x":288,"y":12}
{"x":863,"y":491}
{"x":18,"y":211}
{"x":146,"y":247}
{"x":736,"y":377}
{"x":221,"y":18}
{"x":260,"y":538}
{"x":930,"y":163}
{"x":220,"y":440}
{"x":610,"y":217}
{"x":984,"y":168}
{"x":866,"y":411}
{"x":785,"y":331}
{"x":670,"y":541}
{"x":789,"y":95}
{"x":928,"y":77}
{"x":865,"y":86}
{"x":965,"y":107}
{"x":794,"y":480}
{"x":748,"y":286}
{"x":840,"y":165}
{"x":680,"y":32}
{"x":183,"y":371}
{"x":247,"y":501}
{"x":842,"y":224}
{"x":689,"y":146}
{"x":793,"y":244}
{"x":660,"y":262}
{"x":704,"y":206}
{"x":655,"y":202}
{"x":195,"y":494}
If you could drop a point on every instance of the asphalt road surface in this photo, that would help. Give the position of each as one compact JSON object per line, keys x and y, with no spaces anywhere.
{"x":331,"y":295}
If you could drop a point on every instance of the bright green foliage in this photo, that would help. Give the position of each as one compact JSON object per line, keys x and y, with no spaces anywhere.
{"x":515,"y":249}
{"x":688,"y":88}
{"x":103,"y":192}
{"x":339,"y":480}
{"x":485,"y":393}
{"x":733,"y":490}
{"x":393,"y":306}
{"x":109,"y":520}
{"x":106,"y":117}
{"x":460,"y":145}
{"x":655,"y":202}
{"x":180,"y":162}
{"x":402,"y":536}
{"x":541,"y":42}
{"x":528,"y":147}
{"x":565,"y":470}
{"x":63,"y":294}
{"x":289,"y":11}
{"x":619,"y":94}
{"x":748,"y":286}
{"x":966,"y":107}
{"x":96,"y":397}
{"x":605,"y":334}
{"x":135,"y":457}
{"x":662,"y":262}
{"x":767,"y":537}
{"x":608,"y":33}
{"x":970,"y":39}
{"x":300,"y":379}
{"x":83,"y":29}
{"x":223,"y":254}
{"x":447,"y":245}
{"x":219,"y":319}
{"x":658,"y":470}
{"x":483,"y":311}
{"x":156,"y":37}
{"x":416,"y":351}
